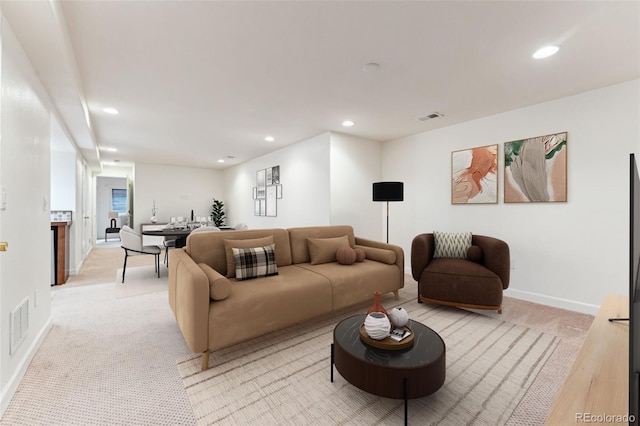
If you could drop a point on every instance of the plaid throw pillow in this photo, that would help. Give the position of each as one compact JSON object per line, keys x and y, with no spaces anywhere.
{"x":255,"y":262}
{"x":452,"y":245}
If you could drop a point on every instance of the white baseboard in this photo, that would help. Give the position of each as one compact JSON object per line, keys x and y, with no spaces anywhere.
{"x":556,"y":302}
{"x":543,"y":299}
{"x":12,"y":385}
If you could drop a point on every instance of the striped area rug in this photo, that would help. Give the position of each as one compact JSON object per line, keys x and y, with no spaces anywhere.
{"x":284,"y":377}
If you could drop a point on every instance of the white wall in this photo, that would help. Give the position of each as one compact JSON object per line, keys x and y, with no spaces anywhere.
{"x":304,"y":175}
{"x":65,"y":196}
{"x":563,"y":254}
{"x":63,"y":181}
{"x":80,"y":228}
{"x":355,"y":164}
{"x":116,"y":171}
{"x":326,"y":180}
{"x":176,"y":191}
{"x":25,"y":224}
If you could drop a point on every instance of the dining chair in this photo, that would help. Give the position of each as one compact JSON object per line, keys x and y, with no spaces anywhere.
{"x":132,"y":245}
{"x":113,"y":226}
{"x":168,"y":243}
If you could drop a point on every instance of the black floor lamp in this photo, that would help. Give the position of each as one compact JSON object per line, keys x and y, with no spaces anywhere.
{"x":388,"y":191}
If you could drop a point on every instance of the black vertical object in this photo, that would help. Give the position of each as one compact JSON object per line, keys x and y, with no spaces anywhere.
{"x":634,"y":291}
{"x":388,"y":191}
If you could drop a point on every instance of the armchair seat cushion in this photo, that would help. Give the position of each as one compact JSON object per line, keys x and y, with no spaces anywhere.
{"x":461,"y":281}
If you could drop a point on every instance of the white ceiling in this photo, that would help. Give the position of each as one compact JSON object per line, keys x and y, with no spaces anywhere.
{"x":196,"y":81}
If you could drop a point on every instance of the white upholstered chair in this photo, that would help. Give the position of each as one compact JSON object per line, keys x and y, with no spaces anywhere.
{"x":132,"y":245}
{"x":240,"y":227}
{"x":169,"y":242}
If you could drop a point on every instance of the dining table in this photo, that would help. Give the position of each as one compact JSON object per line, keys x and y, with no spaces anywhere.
{"x":180,"y":234}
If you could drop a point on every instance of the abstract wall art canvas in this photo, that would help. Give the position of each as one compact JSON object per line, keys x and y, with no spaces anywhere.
{"x":535,"y":169}
{"x":474,"y":175}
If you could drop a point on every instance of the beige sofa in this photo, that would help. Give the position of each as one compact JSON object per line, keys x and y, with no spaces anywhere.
{"x":214,"y":310}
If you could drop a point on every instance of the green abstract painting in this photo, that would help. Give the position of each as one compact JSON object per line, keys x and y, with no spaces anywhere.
{"x":535,"y":169}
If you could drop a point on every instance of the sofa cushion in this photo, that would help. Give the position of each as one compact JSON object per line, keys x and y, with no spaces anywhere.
{"x":346,"y":255}
{"x":360,"y":254}
{"x":379,"y":254}
{"x":300,"y":245}
{"x":358,"y":282}
{"x":267,"y":304}
{"x":219,"y":285}
{"x":229,"y":245}
{"x":460,"y":281}
{"x":255,"y":262}
{"x":475,"y":254}
{"x":452,"y":245}
{"x":208,"y":247}
{"x":323,"y":250}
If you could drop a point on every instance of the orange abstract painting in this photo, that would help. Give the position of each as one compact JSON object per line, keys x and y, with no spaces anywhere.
{"x":474,"y":175}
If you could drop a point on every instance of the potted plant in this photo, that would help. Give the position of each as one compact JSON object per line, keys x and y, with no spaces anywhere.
{"x":217,"y":213}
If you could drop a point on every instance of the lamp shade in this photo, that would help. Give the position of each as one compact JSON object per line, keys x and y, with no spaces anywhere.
{"x":388,"y":191}
{"x":113,"y":215}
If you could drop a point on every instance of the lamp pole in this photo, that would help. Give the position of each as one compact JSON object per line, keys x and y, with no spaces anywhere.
{"x":387,"y":222}
{"x":388,"y":191}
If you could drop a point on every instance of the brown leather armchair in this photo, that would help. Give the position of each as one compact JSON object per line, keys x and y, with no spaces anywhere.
{"x":476,"y":282}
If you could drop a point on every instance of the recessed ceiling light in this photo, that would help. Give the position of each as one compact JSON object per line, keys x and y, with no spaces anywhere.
{"x":110,"y":110}
{"x":545,"y":52}
{"x":348,"y":123}
{"x":104,"y":148}
{"x":221,"y":160}
{"x":269,"y":139}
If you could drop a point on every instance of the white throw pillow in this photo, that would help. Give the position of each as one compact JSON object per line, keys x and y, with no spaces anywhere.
{"x":453,"y":245}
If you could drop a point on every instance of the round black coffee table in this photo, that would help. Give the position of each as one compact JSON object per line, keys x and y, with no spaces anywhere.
{"x":413,"y":372}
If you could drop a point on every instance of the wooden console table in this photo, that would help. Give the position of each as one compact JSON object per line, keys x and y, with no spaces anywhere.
{"x":598,"y":382}
{"x":61,"y":247}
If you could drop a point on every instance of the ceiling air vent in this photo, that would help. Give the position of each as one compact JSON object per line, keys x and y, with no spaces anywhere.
{"x":430,"y":116}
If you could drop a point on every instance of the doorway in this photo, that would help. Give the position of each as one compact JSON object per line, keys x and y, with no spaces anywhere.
{"x":112,"y":202}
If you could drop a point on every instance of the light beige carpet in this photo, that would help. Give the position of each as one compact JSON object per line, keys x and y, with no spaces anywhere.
{"x":105,"y":362}
{"x":141,"y":280}
{"x":283,"y":378}
{"x":102,"y":263}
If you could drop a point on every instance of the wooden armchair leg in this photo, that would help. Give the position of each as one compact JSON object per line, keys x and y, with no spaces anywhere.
{"x":205,"y":360}
{"x":396,"y":295}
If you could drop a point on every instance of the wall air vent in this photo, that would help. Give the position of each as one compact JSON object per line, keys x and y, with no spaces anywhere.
{"x":19,"y":325}
{"x":430,"y":116}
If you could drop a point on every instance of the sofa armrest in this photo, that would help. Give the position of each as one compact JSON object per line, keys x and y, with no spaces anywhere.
{"x":422,"y":249}
{"x":495,"y":257}
{"x":378,"y":244}
{"x":189,"y":299}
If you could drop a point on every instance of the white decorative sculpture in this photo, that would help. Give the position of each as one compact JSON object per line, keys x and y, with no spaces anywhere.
{"x":377,"y":325}
{"x":399,"y":317}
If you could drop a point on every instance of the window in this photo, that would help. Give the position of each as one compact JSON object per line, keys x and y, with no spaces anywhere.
{"x":119,"y":200}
